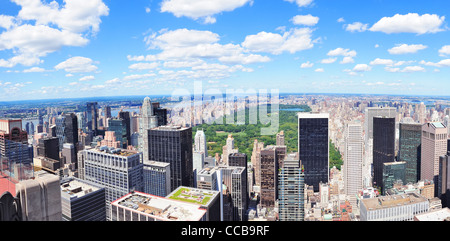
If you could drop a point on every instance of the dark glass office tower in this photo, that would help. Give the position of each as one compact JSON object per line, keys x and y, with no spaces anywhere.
{"x":409,"y":149}
{"x":91,"y":117}
{"x":125,"y":116}
{"x":160,"y":113}
{"x":444,"y":180}
{"x":67,"y":129}
{"x":383,"y":146}
{"x":313,"y":147}
{"x":49,"y":147}
{"x":173,"y":144}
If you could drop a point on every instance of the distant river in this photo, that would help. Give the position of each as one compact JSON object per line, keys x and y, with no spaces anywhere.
{"x":294,"y":109}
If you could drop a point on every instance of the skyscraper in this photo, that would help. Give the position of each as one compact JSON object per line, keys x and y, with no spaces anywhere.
{"x":157,"y":178}
{"x":383,"y":146}
{"x":353,"y":160}
{"x":126,"y":117}
{"x":147,"y":121}
{"x":200,"y":142}
{"x":118,"y":170}
{"x":91,"y":117}
{"x":313,"y":147}
{"x":444,"y":180}
{"x":67,"y":129}
{"x":118,"y":126}
{"x":269,"y":177}
{"x":291,"y":190}
{"x":410,"y":149}
{"x":392,"y":172}
{"x":434,"y":145}
{"x":15,"y":154}
{"x":173,"y":144}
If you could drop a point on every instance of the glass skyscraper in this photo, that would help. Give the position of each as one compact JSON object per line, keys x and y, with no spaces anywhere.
{"x":409,"y":150}
{"x":383,"y":146}
{"x":291,"y":191}
{"x":313,"y":147}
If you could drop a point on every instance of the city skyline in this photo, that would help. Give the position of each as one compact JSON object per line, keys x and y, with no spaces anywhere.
{"x":70,"y":49}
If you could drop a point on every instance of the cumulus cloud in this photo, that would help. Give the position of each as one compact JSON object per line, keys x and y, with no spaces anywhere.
{"x":201,"y":9}
{"x":362,"y":68}
{"x":306,"y":65}
{"x":379,"y":61}
{"x":292,"y":41}
{"x":444,"y":51}
{"x":342,"y":52}
{"x":407,"y":49}
{"x":307,"y":20}
{"x":77,"y":64}
{"x":356,"y":27}
{"x":34,"y":70}
{"x":409,"y":23}
{"x":87,"y":78}
{"x":42,"y":28}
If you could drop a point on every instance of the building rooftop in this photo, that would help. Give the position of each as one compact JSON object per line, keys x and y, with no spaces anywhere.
{"x":193,"y":195}
{"x":114,"y":151}
{"x":438,"y":125}
{"x":439,"y":215}
{"x":160,"y":208}
{"x":156,"y":164}
{"x":392,"y":201}
{"x":73,"y":188}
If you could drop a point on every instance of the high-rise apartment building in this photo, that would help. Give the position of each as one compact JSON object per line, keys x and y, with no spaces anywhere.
{"x":353,"y":160}
{"x":118,"y":170}
{"x":235,"y":180}
{"x":147,"y":121}
{"x":409,"y":150}
{"x":157,"y":178}
{"x":67,"y":129}
{"x":82,"y":200}
{"x":200,"y":142}
{"x":173,"y":144}
{"x":434,"y":145}
{"x":383,"y":146}
{"x":269,"y":177}
{"x":313,"y":147}
{"x":15,"y":154}
{"x":91,"y":117}
{"x":291,"y":190}
{"x":444,"y":180}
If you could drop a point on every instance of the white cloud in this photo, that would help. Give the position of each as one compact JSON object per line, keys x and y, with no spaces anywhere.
{"x":444,"y":51}
{"x":442,"y":63}
{"x":379,"y":61}
{"x":406,"y":49}
{"x":342,"y":52}
{"x":201,"y":8}
{"x":300,"y":3}
{"x":292,"y":41}
{"x":307,"y":20}
{"x":409,"y":69}
{"x":87,"y":78}
{"x":6,"y":22}
{"x":41,"y":28}
{"x":362,"y":68}
{"x":328,"y":61}
{"x":356,"y":27}
{"x":341,"y":20}
{"x":74,"y":16}
{"x":34,"y":70}
{"x":138,"y":76}
{"x":306,"y":65}
{"x":320,"y":70}
{"x":147,"y":10}
{"x":77,"y":64}
{"x":409,"y":23}
{"x":347,"y":60}
{"x":144,"y":66}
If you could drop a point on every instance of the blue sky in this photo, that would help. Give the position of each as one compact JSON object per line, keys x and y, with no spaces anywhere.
{"x":77,"y":48}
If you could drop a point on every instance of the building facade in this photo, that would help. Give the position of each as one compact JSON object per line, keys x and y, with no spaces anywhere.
{"x":383,"y":146}
{"x":410,"y":149}
{"x":313,"y":147}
